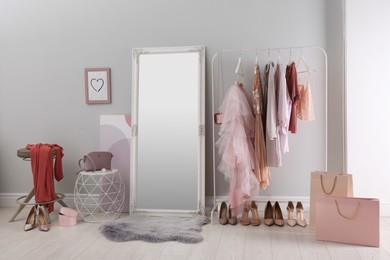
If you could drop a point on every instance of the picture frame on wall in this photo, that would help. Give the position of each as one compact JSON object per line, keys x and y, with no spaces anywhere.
{"x":97,"y":85}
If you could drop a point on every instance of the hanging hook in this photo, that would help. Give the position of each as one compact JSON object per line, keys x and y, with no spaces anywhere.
{"x":279,"y":55}
{"x":302,"y":58}
{"x":257,"y":58}
{"x":256,"y":62}
{"x":239,"y":67}
{"x":290,"y":55}
{"x":269,"y":55}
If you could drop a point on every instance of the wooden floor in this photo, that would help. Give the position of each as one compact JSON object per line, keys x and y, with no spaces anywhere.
{"x":84,"y":241}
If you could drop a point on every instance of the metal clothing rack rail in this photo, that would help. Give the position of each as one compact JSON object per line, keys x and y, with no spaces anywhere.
{"x":218,"y":55}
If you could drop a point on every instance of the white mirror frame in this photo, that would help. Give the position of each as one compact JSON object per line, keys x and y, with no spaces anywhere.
{"x":136,"y":53}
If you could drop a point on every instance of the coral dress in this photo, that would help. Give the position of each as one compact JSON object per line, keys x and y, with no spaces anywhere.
{"x":236,"y":148}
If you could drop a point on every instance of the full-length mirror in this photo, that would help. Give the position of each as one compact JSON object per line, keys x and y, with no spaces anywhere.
{"x":168,"y":107}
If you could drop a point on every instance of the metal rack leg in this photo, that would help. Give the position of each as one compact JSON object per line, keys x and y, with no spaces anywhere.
{"x":61,"y":201}
{"x":21,"y":206}
{"x":212,"y":213}
{"x":29,"y":197}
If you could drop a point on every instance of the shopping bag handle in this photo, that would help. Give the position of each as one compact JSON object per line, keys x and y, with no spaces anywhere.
{"x":344,"y":216}
{"x":334,"y":185}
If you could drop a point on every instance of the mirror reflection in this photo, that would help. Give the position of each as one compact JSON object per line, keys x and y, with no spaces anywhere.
{"x":167,"y":156}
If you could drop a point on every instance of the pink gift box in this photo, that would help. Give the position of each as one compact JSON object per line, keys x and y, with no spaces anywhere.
{"x":67,"y":217}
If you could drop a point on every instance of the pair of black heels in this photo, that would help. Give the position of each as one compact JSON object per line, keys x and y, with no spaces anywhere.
{"x":38,"y":216}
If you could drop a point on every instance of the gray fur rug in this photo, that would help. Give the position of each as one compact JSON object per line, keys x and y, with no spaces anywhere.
{"x":155,"y":229}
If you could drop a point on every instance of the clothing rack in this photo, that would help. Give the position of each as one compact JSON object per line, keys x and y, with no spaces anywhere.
{"x":219,"y":53}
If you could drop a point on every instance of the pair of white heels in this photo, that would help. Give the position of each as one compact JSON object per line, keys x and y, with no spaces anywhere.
{"x":38,"y":215}
{"x":300,"y":218}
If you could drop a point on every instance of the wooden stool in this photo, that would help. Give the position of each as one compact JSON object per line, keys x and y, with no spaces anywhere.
{"x":24,"y":153}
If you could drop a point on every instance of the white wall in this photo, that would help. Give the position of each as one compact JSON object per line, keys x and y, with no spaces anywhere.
{"x":368,"y":91}
{"x":334,"y":47}
{"x":46,"y":44}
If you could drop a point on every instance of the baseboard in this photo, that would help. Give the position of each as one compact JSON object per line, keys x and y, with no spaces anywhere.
{"x":8,"y":200}
{"x":384,"y":208}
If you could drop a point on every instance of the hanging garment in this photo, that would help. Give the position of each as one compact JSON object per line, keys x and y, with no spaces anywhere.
{"x":265,"y":97}
{"x":257,"y":90}
{"x":236,"y":148}
{"x":261,"y":170}
{"x":42,"y":170}
{"x":274,"y":155}
{"x":292,"y":87}
{"x":284,"y":107}
{"x":305,"y":108}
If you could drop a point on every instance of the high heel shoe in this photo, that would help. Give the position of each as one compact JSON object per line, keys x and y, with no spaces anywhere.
{"x":245,"y":217}
{"x":301,"y":221}
{"x":31,"y":219}
{"x":255,"y":221}
{"x":43,"y":219}
{"x":291,"y":221}
{"x":269,"y":214}
{"x":278,"y":219}
{"x":223,"y":211}
{"x":232,"y":219}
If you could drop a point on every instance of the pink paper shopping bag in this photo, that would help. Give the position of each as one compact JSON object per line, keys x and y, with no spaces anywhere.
{"x":328,"y":183}
{"x":348,"y":220}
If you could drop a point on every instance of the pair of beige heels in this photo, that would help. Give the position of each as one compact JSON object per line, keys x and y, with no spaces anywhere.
{"x":273,"y":214}
{"x":225,"y":215}
{"x":300,"y":218}
{"x":255,"y":219}
{"x":38,"y":215}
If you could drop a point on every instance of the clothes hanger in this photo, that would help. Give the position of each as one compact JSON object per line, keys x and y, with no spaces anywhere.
{"x":302,"y":60}
{"x":278,"y":55}
{"x":269,"y":55}
{"x":306,"y":67}
{"x":257,"y":58}
{"x":239,"y":70}
{"x":291,"y":59}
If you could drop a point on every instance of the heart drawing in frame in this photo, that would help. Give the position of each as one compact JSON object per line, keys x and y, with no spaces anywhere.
{"x":97,"y":84}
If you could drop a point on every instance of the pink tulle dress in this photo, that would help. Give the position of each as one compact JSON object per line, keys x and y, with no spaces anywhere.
{"x":236,"y":148}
